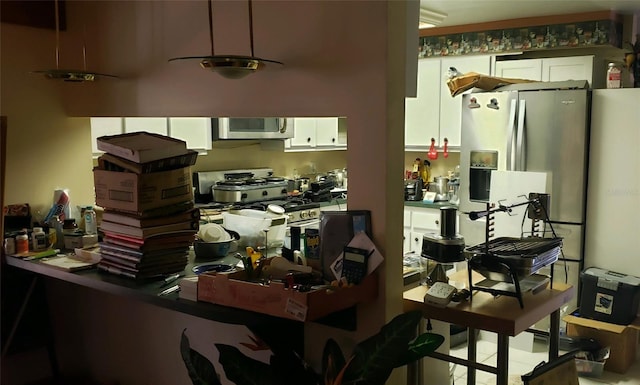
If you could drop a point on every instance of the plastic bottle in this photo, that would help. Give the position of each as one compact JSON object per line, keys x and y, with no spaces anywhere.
{"x":90,"y":225}
{"x":22,"y":242}
{"x":38,"y":239}
{"x":614,"y":76}
{"x":57,"y":238}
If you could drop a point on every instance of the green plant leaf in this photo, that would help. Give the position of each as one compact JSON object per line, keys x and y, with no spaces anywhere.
{"x":243,"y":370}
{"x":332,"y":360}
{"x":201,"y":370}
{"x":423,"y":345}
{"x":375,"y":357}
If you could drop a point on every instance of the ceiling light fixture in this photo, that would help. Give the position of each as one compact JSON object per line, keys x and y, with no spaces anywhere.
{"x":430,"y":19}
{"x":230,"y":66}
{"x":66,"y":75}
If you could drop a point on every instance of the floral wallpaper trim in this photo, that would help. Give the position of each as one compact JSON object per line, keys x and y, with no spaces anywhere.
{"x":543,"y":37}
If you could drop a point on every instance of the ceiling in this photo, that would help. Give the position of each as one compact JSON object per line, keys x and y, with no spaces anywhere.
{"x":461,"y":12}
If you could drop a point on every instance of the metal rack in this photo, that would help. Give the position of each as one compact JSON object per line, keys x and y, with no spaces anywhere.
{"x":512,"y":260}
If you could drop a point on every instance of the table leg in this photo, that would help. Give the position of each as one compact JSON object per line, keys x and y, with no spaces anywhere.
{"x":502,"y":364}
{"x":471,"y":355}
{"x":554,"y":334}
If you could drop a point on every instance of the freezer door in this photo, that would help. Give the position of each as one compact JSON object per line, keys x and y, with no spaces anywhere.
{"x":488,"y":124}
{"x":555,"y":141}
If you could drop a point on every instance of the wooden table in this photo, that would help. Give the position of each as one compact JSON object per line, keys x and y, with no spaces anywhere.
{"x":501,"y":315}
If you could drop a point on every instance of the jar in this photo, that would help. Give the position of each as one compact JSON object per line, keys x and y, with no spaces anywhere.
{"x":614,"y":76}
{"x":38,"y":239}
{"x":22,"y":242}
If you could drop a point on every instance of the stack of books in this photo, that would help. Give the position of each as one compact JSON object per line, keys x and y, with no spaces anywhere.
{"x":152,"y":240}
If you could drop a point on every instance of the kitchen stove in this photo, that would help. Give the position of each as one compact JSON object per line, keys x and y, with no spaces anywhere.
{"x":249,"y":189}
{"x":298,"y":210}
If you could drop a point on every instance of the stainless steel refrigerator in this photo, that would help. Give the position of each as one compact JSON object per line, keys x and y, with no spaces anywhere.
{"x":540,"y":127}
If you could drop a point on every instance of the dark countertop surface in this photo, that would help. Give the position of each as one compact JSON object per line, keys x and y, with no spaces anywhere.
{"x":435,"y":205}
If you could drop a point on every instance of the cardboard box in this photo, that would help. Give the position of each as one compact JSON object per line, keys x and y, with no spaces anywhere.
{"x":276,"y":300}
{"x":622,"y":339}
{"x":139,"y":192}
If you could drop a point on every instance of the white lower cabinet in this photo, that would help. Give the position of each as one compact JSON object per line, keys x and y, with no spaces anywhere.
{"x":417,"y":222}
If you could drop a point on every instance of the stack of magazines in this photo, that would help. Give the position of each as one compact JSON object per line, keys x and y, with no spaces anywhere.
{"x":149,"y":237}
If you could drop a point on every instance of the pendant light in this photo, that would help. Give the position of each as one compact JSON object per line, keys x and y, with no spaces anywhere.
{"x":230,"y":66}
{"x":67,"y":75}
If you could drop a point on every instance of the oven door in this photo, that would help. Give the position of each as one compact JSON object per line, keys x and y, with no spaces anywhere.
{"x":252,"y":128}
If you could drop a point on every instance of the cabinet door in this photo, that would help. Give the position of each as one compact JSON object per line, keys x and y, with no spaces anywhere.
{"x":326,"y":132}
{"x":421,"y":117}
{"x":304,"y":132}
{"x":520,"y":69}
{"x":102,"y":127}
{"x":407,"y":242}
{"x":152,"y":125}
{"x":425,"y":220}
{"x":416,"y":242}
{"x":451,"y":107}
{"x":195,"y":131}
{"x":567,"y":68}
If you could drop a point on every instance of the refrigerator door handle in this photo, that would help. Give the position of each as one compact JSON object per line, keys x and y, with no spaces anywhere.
{"x":511,"y":166}
{"x":521,"y":156}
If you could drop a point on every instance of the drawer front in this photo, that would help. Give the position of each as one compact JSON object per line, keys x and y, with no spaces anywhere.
{"x":426,"y":219}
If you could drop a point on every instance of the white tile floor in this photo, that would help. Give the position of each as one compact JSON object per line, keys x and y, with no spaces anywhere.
{"x":521,"y":362}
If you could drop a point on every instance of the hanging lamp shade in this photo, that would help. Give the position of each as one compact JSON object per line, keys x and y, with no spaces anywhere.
{"x":69,"y":75}
{"x":230,"y":66}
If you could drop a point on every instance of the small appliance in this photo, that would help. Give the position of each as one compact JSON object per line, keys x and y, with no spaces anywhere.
{"x":413,"y":189}
{"x":244,"y":188}
{"x":251,"y":128}
{"x":444,"y":248}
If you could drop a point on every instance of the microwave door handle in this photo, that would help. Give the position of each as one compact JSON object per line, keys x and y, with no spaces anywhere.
{"x":511,"y":137}
{"x":520,"y":146}
{"x":283,"y":129}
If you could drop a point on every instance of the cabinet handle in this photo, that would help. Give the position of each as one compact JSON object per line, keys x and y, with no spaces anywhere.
{"x":437,"y":222}
{"x":416,"y":239}
{"x":333,"y":140}
{"x":308,"y":140}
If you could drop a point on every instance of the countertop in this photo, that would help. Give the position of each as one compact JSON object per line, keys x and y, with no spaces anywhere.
{"x":425,"y":205}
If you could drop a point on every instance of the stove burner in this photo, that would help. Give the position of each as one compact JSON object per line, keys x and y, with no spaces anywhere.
{"x":231,"y":182}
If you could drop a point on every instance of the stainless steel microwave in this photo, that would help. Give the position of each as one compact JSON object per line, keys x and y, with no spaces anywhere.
{"x":252,"y":128}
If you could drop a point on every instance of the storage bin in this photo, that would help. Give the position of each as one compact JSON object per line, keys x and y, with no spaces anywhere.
{"x":608,"y":296}
{"x":251,"y":225}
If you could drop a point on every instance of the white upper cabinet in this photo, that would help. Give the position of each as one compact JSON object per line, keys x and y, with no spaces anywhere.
{"x":520,"y":69}
{"x":568,"y":68}
{"x":152,"y":125}
{"x":451,"y":107}
{"x":434,"y":113}
{"x":554,"y":69}
{"x":195,"y":131}
{"x":421,"y":114}
{"x":103,"y":127}
{"x":315,"y":134}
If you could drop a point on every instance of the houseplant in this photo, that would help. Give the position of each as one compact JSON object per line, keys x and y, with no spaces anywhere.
{"x":370,"y":363}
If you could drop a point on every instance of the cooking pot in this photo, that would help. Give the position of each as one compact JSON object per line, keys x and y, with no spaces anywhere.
{"x":441,"y":185}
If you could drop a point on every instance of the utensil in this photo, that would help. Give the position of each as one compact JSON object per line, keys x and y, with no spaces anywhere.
{"x":432,"y":154}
